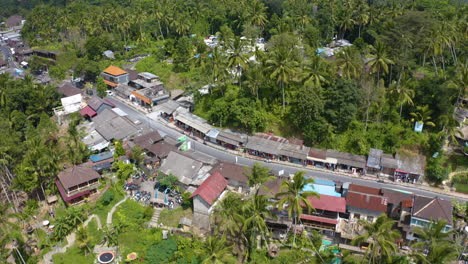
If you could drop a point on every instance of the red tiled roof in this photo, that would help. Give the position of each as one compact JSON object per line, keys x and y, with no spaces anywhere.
{"x":367,"y":201}
{"x":116,"y":71}
{"x":88,"y":111}
{"x":363,"y":189}
{"x":211,"y":188}
{"x":319,"y":219}
{"x":329,"y":203}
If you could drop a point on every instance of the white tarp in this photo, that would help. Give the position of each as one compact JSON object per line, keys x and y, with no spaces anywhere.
{"x":72,"y":103}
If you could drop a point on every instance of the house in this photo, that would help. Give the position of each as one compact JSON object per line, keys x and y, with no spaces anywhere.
{"x":176,"y":93}
{"x":397,"y":201}
{"x":14,"y":21}
{"x":235,"y":174}
{"x":379,"y":163}
{"x":184,"y":168}
{"x":77,"y":183}
{"x":294,"y":153}
{"x":263,"y":145}
{"x":95,"y":106}
{"x":226,"y":139}
{"x":318,"y":157}
{"x":167,"y":109}
{"x":425,"y":210}
{"x":193,"y":124}
{"x":153,"y":145}
{"x":123,"y":90}
{"x":148,"y":97}
{"x":146,"y":80}
{"x":410,"y":167}
{"x":365,"y":203}
{"x":132,"y":75}
{"x":111,"y":125}
{"x":67,"y":89}
{"x":204,"y":199}
{"x":72,"y":103}
{"x":347,"y":162}
{"x":326,"y":214}
{"x":114,"y":75}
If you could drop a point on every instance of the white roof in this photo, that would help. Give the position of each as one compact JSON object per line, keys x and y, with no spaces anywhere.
{"x":72,"y":103}
{"x":119,"y":111}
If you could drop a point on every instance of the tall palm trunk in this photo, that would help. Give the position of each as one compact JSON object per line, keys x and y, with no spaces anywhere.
{"x":160,"y":29}
{"x":284,"y":96}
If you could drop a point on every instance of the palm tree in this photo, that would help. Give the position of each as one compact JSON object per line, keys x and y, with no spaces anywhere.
{"x":216,"y":250}
{"x":403,"y":91}
{"x":257,"y":14}
{"x":381,"y":238}
{"x":422,"y":116}
{"x":379,"y":61}
{"x":348,"y":63}
{"x":314,"y":71}
{"x":255,"y":80}
{"x":83,"y":240}
{"x":259,"y":175}
{"x":257,"y":210}
{"x":237,"y":59}
{"x":294,"y":198}
{"x":282,"y":69}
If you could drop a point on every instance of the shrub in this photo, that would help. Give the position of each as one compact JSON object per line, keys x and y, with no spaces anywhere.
{"x":436,"y":173}
{"x":107,"y":198}
{"x":161,"y":252}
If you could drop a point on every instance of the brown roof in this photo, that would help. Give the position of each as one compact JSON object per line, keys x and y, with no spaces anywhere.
{"x":161,"y":149}
{"x":396,"y":197}
{"x":145,"y":140}
{"x":211,"y":188}
{"x":2,"y":62}
{"x":69,"y":90}
{"x":271,"y":188}
{"x":318,"y":153}
{"x":116,"y":71}
{"x":363,"y":189}
{"x":348,"y":159}
{"x":433,"y":209}
{"x":366,"y":201}
{"x":132,"y":75}
{"x":77,"y":175}
{"x":14,"y":21}
{"x":232,"y":171}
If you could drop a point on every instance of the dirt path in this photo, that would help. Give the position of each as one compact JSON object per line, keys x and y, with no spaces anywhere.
{"x":111,"y":212}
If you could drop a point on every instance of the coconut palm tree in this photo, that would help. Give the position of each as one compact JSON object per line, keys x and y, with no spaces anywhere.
{"x":381,"y":238}
{"x":237,"y":59}
{"x":294,"y":198}
{"x":257,"y":209}
{"x":259,"y":175}
{"x":257,"y":14}
{"x":348,"y":63}
{"x":402,"y":90}
{"x":282,"y":69}
{"x":216,"y":250}
{"x":422,"y":116}
{"x":83,"y":240}
{"x":379,"y":60}
{"x":255,"y":79}
{"x":314,"y":71}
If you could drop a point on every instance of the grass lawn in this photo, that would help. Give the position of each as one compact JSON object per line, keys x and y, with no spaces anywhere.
{"x":172,"y":217}
{"x":101,"y":210}
{"x":95,"y":233}
{"x":461,"y":187}
{"x":73,"y":255}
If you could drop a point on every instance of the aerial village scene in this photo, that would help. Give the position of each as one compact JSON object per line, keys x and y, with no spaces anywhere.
{"x":234,"y":131}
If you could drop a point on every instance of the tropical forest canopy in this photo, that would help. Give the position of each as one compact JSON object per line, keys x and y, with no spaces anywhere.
{"x":407,"y":62}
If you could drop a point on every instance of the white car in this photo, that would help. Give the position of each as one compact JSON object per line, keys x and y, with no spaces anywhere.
{"x":110,"y":93}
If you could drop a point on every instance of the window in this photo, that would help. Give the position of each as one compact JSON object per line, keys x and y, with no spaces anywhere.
{"x":357,"y":216}
{"x":370,"y":218}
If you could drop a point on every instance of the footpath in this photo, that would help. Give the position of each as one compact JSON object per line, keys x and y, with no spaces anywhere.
{"x":289,"y":164}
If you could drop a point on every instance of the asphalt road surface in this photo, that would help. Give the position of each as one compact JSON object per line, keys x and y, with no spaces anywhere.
{"x":225,"y":156}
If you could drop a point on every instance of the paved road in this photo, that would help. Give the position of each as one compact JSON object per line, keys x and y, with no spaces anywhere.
{"x":225,"y":156}
{"x":8,"y":56}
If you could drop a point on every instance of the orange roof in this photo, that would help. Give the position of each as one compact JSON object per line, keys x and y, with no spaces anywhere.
{"x":146,"y":100}
{"x":110,"y":83}
{"x":116,"y":71}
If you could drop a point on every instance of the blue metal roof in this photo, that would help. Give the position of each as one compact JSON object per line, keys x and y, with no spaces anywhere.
{"x":324,"y":182}
{"x":322,"y":189}
{"x":101,"y":156}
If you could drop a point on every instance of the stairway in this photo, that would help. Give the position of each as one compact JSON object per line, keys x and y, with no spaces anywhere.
{"x":154,"y":219}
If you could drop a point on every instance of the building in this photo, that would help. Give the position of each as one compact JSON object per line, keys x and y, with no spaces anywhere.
{"x":154,"y":146}
{"x":226,"y":139}
{"x":265,"y":146}
{"x":123,"y":90}
{"x":397,"y":201}
{"x":167,"y":109}
{"x":114,"y":75}
{"x":347,"y":162}
{"x":294,"y":153}
{"x":77,"y":183}
{"x":204,"y":199}
{"x":424,"y":211}
{"x":67,"y":89}
{"x":95,"y":106}
{"x":365,"y":203}
{"x":379,"y":163}
{"x":410,"y":167}
{"x":112,"y":126}
{"x":146,"y":80}
{"x":318,"y":157}
{"x":184,"y":168}
{"x":148,"y":97}
{"x":326,"y":214}
{"x":193,"y":124}
{"x":235,"y":174}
